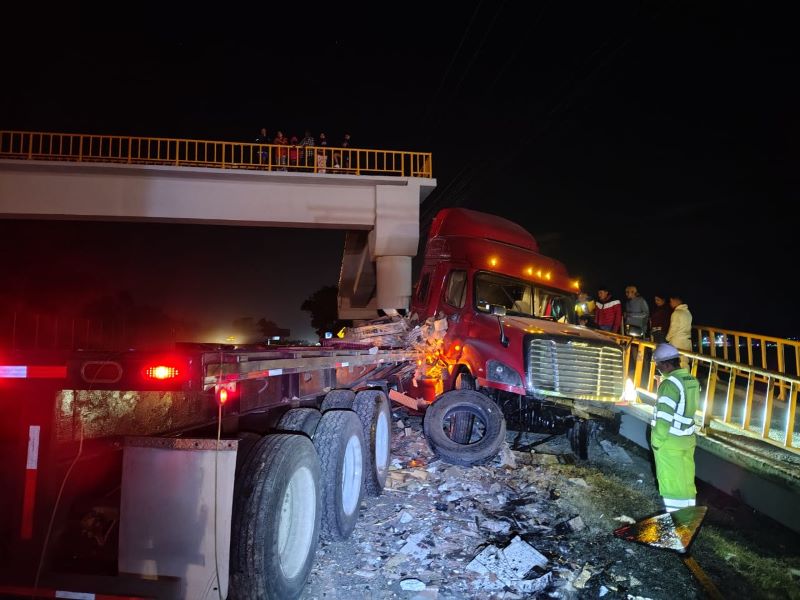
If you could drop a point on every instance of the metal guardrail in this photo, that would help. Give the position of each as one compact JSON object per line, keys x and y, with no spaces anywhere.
{"x":766,"y":352}
{"x":752,"y":408}
{"x":28,"y":145}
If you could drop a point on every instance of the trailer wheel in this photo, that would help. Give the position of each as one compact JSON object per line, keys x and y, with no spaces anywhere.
{"x":300,"y":420}
{"x":340,"y":445}
{"x":247,"y":441}
{"x":372,"y":408}
{"x":338,"y":399}
{"x":276,"y":521}
{"x":444,"y":415}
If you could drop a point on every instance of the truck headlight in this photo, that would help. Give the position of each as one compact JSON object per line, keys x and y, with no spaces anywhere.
{"x":501,"y":373}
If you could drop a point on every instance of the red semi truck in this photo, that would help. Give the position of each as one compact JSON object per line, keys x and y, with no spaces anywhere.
{"x":511,"y":336}
{"x":170,"y":475}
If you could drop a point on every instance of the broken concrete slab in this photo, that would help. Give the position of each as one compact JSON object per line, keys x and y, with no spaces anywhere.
{"x":413,"y":585}
{"x":522,"y":557}
{"x":615,"y":452}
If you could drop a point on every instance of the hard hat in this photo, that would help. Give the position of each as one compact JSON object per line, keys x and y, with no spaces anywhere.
{"x":665,"y":352}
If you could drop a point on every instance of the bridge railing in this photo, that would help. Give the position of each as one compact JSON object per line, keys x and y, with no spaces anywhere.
{"x":734,"y":396}
{"x":29,"y":145}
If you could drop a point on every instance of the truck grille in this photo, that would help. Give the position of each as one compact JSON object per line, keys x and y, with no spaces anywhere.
{"x":576,"y":370}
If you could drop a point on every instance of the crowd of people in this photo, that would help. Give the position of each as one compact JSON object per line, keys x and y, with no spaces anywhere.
{"x":306,"y":154}
{"x":669,"y":321}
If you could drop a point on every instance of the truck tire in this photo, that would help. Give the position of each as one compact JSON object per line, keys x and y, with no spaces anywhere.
{"x":300,"y":420}
{"x":276,"y":519}
{"x":337,"y":399}
{"x":372,"y":408}
{"x":580,"y":437}
{"x":247,"y":441}
{"x":438,"y":422}
{"x":340,"y":445}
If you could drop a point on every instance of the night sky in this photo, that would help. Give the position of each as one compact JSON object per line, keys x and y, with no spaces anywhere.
{"x":647,"y":143}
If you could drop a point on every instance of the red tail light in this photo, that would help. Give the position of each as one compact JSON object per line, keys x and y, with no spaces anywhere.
{"x":161,"y":372}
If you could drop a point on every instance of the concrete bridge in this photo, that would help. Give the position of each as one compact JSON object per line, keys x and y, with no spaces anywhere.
{"x":380,"y":212}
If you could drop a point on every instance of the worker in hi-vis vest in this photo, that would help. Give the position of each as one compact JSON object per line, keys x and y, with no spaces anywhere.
{"x":673,"y":435}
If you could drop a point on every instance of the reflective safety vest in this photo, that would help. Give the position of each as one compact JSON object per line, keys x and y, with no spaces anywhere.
{"x":673,"y":416}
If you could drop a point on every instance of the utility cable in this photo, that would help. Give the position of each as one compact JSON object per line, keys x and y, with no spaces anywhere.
{"x":452,"y":62}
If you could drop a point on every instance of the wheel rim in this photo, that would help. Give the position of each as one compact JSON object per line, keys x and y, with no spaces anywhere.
{"x":382,"y":443}
{"x":352,"y":474}
{"x":297,"y":518}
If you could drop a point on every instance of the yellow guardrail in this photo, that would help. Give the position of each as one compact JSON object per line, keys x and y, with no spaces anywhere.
{"x":766,"y":352}
{"x":734,"y":396}
{"x":77,"y":147}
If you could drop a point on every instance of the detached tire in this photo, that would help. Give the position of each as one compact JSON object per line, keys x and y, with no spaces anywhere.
{"x":276,"y":519}
{"x":448,"y":411}
{"x":300,"y":420}
{"x":340,"y":445}
{"x":372,"y":408}
{"x":338,"y":399}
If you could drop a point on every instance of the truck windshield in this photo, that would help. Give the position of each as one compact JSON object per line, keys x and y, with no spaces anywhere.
{"x":522,"y":298}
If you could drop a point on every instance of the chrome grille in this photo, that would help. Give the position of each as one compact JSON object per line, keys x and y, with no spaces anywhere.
{"x":577,"y":370}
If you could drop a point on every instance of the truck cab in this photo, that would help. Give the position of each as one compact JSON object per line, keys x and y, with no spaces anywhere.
{"x":511,"y":321}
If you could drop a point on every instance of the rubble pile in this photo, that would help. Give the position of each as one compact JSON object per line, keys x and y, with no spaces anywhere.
{"x":530,"y":524}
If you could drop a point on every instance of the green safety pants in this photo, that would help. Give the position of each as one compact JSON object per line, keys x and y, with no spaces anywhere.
{"x":675,"y":472}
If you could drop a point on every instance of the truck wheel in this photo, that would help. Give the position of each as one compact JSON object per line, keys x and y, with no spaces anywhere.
{"x":579,"y":435}
{"x":276,"y":521}
{"x":340,"y":446}
{"x":488,"y":433}
{"x":300,"y":420}
{"x":372,"y":409}
{"x":247,"y":441}
{"x":338,"y":399}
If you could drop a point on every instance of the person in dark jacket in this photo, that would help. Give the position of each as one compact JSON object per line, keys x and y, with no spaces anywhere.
{"x":659,"y":318}
{"x":637,"y":313}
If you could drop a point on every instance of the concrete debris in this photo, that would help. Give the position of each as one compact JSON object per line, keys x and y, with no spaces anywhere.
{"x":578,"y":481}
{"x":616,"y":453}
{"x":543,"y":459}
{"x":576,"y":524}
{"x":522,"y":557}
{"x":580,"y":581}
{"x":413,"y":585}
{"x":625,"y":519}
{"x":509,"y":566}
{"x":512,"y":529}
{"x":506,"y":457}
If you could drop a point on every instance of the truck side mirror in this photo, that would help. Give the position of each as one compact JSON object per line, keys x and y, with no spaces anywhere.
{"x":498,"y":310}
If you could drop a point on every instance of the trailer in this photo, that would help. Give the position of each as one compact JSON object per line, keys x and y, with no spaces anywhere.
{"x":206,"y":472}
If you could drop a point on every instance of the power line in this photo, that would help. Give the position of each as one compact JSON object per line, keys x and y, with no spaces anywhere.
{"x":452,"y":62}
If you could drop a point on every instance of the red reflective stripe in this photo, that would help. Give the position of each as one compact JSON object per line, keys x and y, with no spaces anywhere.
{"x":26,"y":530}
{"x":52,"y":372}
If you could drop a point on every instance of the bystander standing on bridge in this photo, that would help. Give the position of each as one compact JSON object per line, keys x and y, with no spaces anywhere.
{"x":680,"y":326}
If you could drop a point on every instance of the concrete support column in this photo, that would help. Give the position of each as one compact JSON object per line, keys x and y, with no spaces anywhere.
{"x":393,"y":242}
{"x":394,"y":281}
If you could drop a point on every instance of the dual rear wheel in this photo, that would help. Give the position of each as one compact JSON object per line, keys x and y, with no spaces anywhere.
{"x":292,"y":489}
